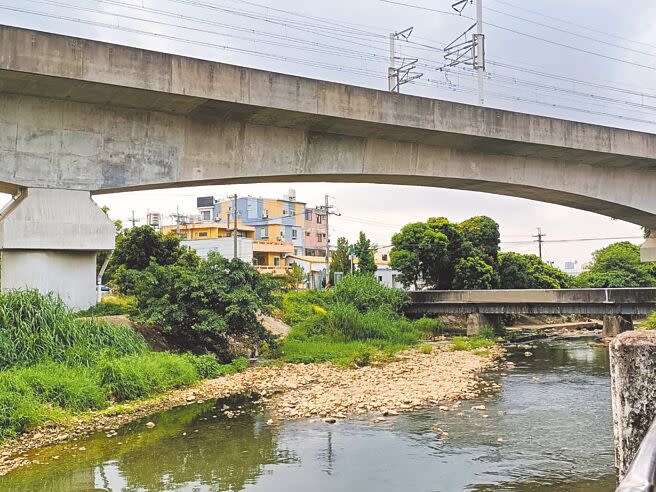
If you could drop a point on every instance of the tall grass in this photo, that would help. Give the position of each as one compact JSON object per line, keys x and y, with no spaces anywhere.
{"x":36,"y":328}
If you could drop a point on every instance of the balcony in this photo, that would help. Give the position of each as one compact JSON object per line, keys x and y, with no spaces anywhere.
{"x":272,"y":270}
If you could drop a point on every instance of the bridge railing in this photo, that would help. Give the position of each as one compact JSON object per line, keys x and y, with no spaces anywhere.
{"x":641,"y":475}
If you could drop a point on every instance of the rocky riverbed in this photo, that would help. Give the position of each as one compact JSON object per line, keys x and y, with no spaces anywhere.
{"x":291,"y":391}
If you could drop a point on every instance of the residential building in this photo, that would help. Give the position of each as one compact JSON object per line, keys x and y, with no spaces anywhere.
{"x":314,"y":268}
{"x":225,"y":246}
{"x":315,"y":232}
{"x":207,"y":230}
{"x":384,"y":273}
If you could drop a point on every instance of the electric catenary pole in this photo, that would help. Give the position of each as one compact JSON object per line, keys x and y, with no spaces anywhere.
{"x":539,"y":240}
{"x":396,"y":77}
{"x":469,"y":51}
{"x":326,"y":208}
{"x":234,"y":230}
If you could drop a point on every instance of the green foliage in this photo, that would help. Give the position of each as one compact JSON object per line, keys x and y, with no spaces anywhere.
{"x":518,"y":271}
{"x":473,"y":273}
{"x":470,"y":343}
{"x":366,"y":293}
{"x":429,"y":326}
{"x":202,"y":304}
{"x":650,"y":323}
{"x":426,"y":348}
{"x":483,"y":234}
{"x":37,"y":328}
{"x":339,"y":259}
{"x":19,"y":412}
{"x":618,"y":265}
{"x":137,"y":247}
{"x":300,"y":306}
{"x":208,"y":367}
{"x":294,"y":276}
{"x":71,"y":388}
{"x":132,"y":377}
{"x":110,"y":305}
{"x":487,"y":332}
{"x":364,"y":252}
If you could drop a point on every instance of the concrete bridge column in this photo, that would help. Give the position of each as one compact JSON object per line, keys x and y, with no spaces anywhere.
{"x":49,"y":239}
{"x":648,"y":248}
{"x":476,"y":321}
{"x":614,"y":324}
{"x":633,"y":389}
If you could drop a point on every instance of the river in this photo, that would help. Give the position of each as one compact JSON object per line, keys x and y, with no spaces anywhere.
{"x":548,"y":429}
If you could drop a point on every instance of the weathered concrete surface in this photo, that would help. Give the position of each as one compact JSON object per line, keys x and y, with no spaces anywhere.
{"x":49,"y":240}
{"x":88,"y":115}
{"x":633,"y":386}
{"x":476,"y":321}
{"x":614,"y":324}
{"x":648,"y":249}
{"x":533,"y":301}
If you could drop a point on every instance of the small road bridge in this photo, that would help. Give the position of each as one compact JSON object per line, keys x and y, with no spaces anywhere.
{"x":484,"y":307}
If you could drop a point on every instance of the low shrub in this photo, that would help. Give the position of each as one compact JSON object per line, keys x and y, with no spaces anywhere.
{"x":426,"y":348}
{"x":470,"y":343}
{"x":297,"y":307}
{"x":366,"y":294}
{"x":131,"y":377}
{"x":650,"y":323}
{"x":207,"y":366}
{"x":340,"y":352}
{"x":429,"y":326}
{"x":110,"y":305}
{"x":70,"y":388}
{"x":18,"y":412}
{"x":487,"y":332}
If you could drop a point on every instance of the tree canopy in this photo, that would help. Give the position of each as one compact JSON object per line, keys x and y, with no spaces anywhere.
{"x":519,"y":271}
{"x":618,"y":265}
{"x":364,"y":252}
{"x":339,"y":260}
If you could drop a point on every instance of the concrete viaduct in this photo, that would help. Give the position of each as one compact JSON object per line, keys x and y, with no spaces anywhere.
{"x":79,"y":117}
{"x":484,"y":307}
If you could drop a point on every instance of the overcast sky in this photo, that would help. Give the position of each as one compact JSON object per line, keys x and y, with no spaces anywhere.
{"x":589,"y":60}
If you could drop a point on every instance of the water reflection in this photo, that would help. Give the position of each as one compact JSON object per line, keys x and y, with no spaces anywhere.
{"x":549,"y":428}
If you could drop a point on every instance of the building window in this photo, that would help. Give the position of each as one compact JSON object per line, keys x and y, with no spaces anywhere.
{"x":206,"y":215}
{"x":264,"y":232}
{"x":380,"y":278}
{"x":318,"y":219}
{"x":307,"y":233}
{"x":384,"y":257}
{"x":265,"y":214}
{"x":202,"y":234}
{"x":292,"y":212}
{"x":294,"y":234}
{"x":308,"y":215}
{"x":319,"y":237}
{"x":284,"y":211}
{"x":276,"y":261}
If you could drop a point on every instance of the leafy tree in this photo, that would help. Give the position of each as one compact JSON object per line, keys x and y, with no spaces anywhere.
{"x":138,"y":246}
{"x":294,"y":276}
{"x":441,"y":273}
{"x":483,"y":234}
{"x":618,"y":265}
{"x":518,"y":271}
{"x":202,"y":304}
{"x":415,"y":251}
{"x":364,"y":251}
{"x":473,"y":273}
{"x":339,"y":260}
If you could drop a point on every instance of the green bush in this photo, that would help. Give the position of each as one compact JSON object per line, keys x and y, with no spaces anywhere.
{"x":207,"y":366}
{"x":110,"y":306}
{"x":37,"y":328}
{"x":429,"y":326}
{"x":73,"y":389}
{"x":426,"y":348}
{"x":470,"y":343}
{"x":650,"y":323}
{"x":366,"y":294}
{"x":299,"y":306}
{"x":18,"y":412}
{"x":343,"y":353}
{"x":131,"y":377}
{"x":487,"y":332}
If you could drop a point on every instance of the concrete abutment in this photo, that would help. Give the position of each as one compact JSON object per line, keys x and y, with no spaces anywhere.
{"x":633,"y":388}
{"x":49,"y":239}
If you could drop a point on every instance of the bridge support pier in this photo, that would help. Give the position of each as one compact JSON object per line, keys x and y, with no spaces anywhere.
{"x":49,"y":240}
{"x":614,"y":324}
{"x":633,"y":389}
{"x":648,"y":248}
{"x":476,"y":321}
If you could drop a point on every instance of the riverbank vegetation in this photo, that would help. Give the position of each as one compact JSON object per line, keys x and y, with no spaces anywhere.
{"x":53,"y":363}
{"x":358,"y":322}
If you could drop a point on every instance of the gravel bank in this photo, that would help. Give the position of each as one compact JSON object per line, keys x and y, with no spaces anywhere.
{"x":292,"y":391}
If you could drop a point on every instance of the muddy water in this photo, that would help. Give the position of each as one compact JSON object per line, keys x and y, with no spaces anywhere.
{"x":549,"y":429}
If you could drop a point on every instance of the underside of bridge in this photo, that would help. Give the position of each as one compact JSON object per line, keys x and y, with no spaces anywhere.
{"x":97,"y":118}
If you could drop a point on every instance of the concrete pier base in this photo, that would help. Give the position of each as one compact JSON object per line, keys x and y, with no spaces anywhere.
{"x":614,"y":324}
{"x":476,"y":321}
{"x":49,"y":240}
{"x":633,"y":389}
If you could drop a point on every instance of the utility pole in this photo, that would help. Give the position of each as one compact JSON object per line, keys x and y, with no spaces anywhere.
{"x":234,"y":231}
{"x":396,"y":77}
{"x":178,"y":220}
{"x":326,"y":208}
{"x":539,"y":236}
{"x":134,"y":220}
{"x":479,"y":52}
